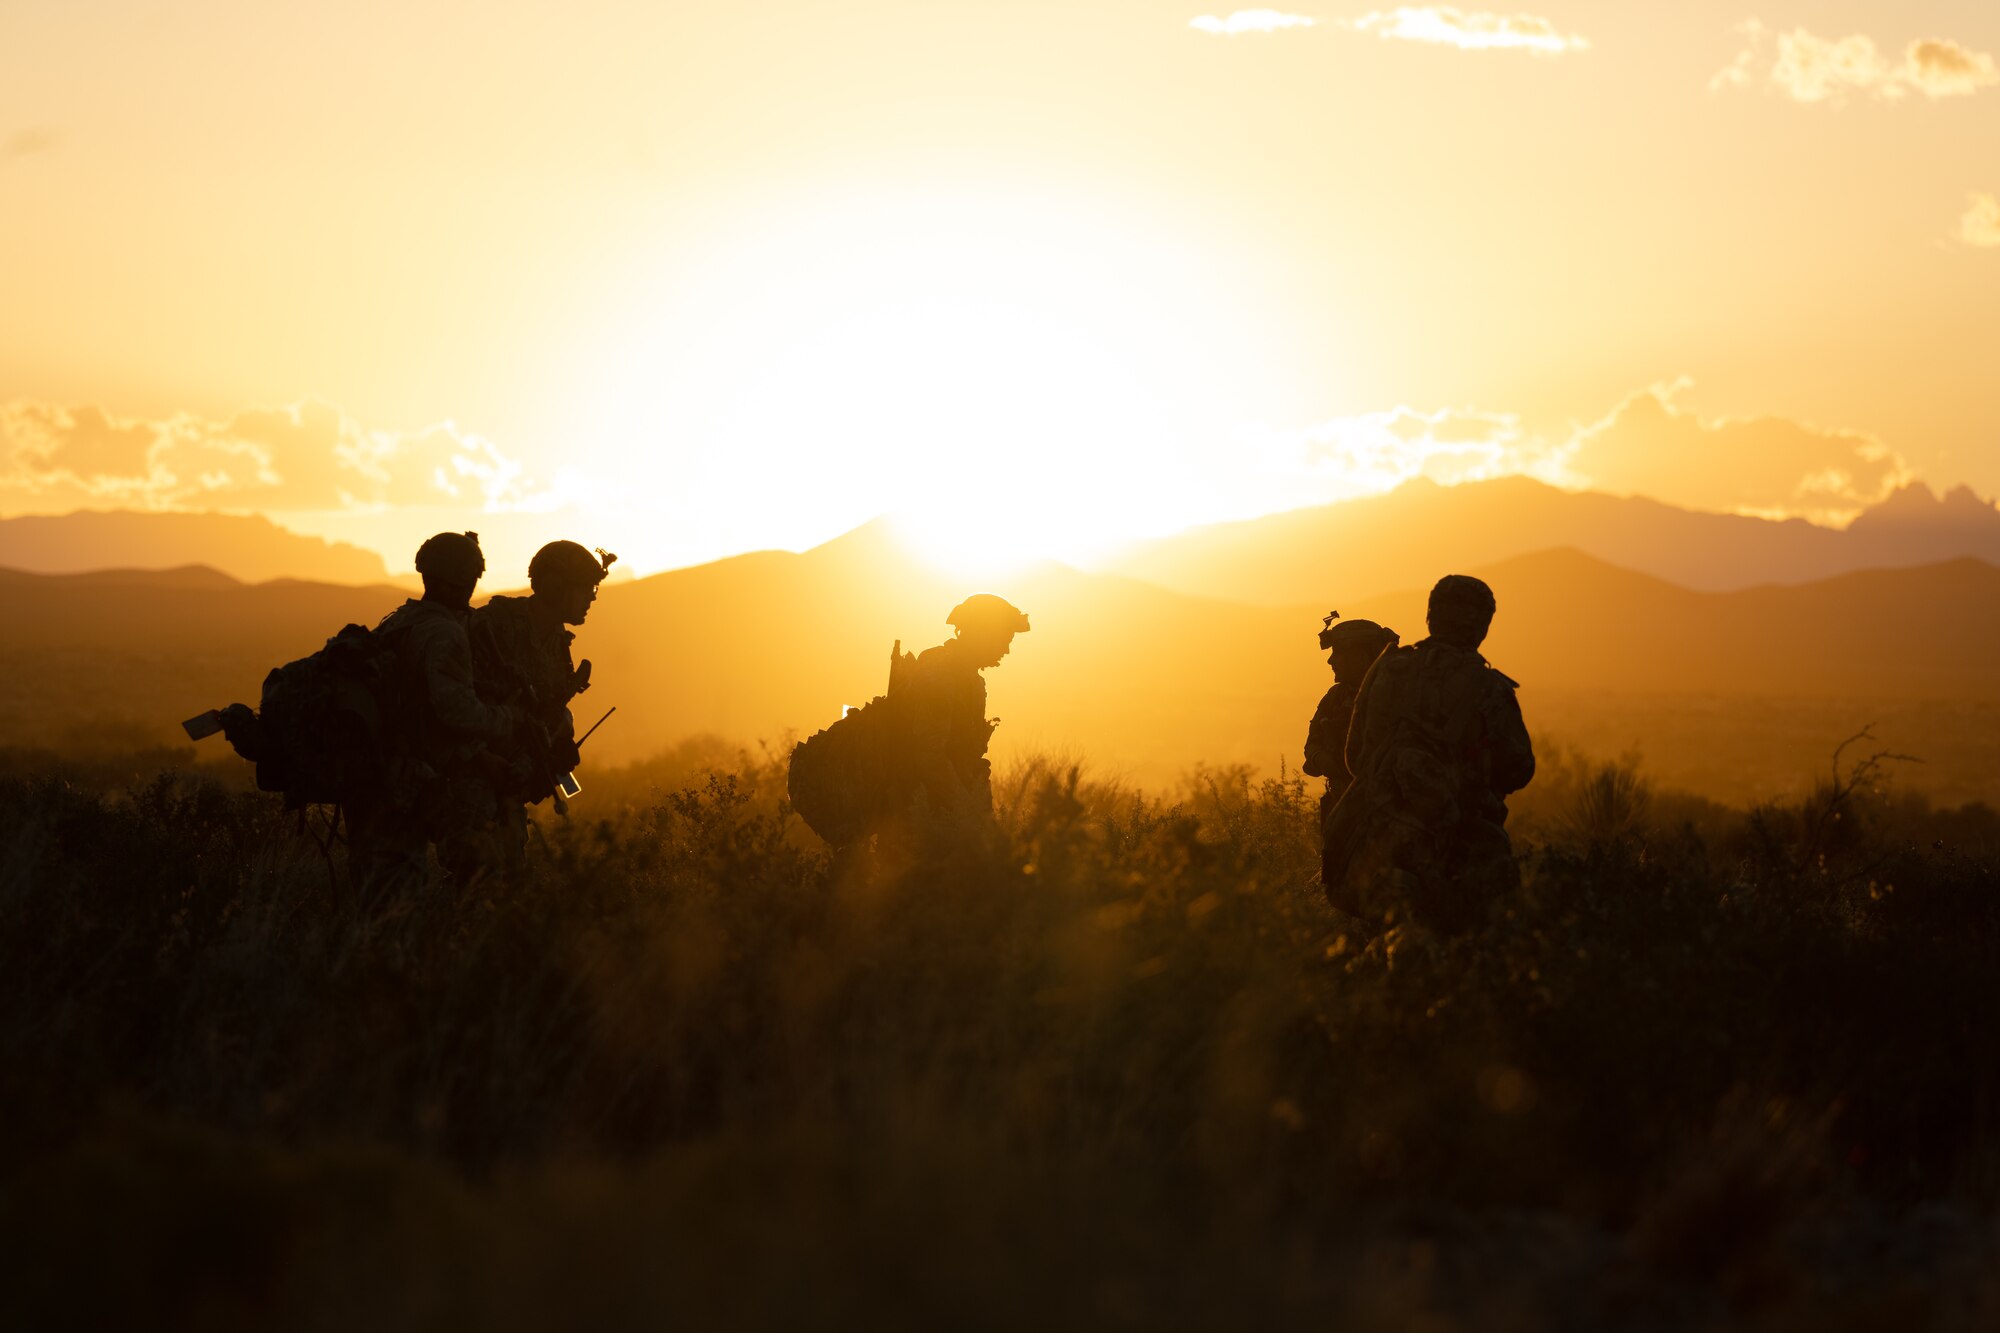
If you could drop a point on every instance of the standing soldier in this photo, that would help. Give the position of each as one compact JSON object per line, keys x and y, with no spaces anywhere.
{"x":448,"y":729}
{"x":1436,"y":747}
{"x":1352,"y":647}
{"x":521,"y":657}
{"x":948,"y":726}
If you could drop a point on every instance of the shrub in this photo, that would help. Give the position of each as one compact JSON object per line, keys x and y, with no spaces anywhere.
{"x":1115,"y":1058}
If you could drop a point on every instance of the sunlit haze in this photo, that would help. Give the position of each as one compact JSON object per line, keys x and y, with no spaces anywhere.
{"x":1039,"y":279}
{"x":1013,"y":372}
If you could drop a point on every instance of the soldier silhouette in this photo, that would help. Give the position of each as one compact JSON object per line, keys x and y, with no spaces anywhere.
{"x":449,"y":733}
{"x":948,"y":730}
{"x":1436,"y":746}
{"x":521,"y":657}
{"x":1351,"y":648}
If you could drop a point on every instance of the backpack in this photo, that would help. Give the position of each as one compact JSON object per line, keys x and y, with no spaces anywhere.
{"x":1410,"y":791}
{"x":844,"y":779}
{"x":327,"y":722}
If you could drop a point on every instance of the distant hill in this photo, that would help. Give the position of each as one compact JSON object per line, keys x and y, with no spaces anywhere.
{"x":1737,"y":693}
{"x":246,"y":547}
{"x":126,"y":654}
{"x":751,"y":646}
{"x":1147,"y":681}
{"x":183,"y":579}
{"x":1568,"y":620}
{"x":1409,"y":537}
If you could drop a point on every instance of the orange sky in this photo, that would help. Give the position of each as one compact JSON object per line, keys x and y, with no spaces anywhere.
{"x":687,"y":279}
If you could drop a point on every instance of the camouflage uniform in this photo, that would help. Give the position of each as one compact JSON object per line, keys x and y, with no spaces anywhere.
{"x":521,"y":658}
{"x":449,"y":732}
{"x":949,"y":731}
{"x":1353,"y":647}
{"x":1326,"y":750}
{"x":1326,"y":737}
{"x":1436,"y":746}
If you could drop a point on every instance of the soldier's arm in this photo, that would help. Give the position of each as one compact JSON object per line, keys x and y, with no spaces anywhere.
{"x":1510,"y":754}
{"x":1326,"y":739}
{"x":978,"y":784}
{"x":446,"y":657}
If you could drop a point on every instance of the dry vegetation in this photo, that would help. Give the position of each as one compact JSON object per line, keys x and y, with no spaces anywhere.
{"x":1118,"y":1065}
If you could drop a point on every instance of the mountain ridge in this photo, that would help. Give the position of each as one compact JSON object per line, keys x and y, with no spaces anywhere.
{"x":251,"y":548}
{"x":1145,"y":679}
{"x":1421,"y":530}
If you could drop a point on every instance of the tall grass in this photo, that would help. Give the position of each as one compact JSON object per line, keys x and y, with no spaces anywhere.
{"x":1110,"y":1062}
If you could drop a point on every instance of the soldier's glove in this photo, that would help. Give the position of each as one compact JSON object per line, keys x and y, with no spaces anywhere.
{"x":244,"y":732}
{"x":556,"y":742}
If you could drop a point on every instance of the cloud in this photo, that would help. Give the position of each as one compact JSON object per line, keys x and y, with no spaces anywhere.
{"x":1981,"y":224}
{"x":309,"y":456}
{"x":1762,"y":465}
{"x":1646,"y":445}
{"x":1250,"y":20}
{"x":1809,"y":68}
{"x":1938,"y":68}
{"x":1438,"y":24}
{"x":1373,"y":452}
{"x":1446,"y":26}
{"x":87,"y":442}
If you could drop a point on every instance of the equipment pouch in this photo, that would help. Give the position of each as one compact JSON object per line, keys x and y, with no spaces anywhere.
{"x":1424,"y":785}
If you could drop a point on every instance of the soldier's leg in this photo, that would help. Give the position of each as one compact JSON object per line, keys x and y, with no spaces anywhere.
{"x":1489,"y":864}
{"x":385,"y":851}
{"x":1343,"y":839}
{"x":1347,"y":865}
{"x":1389,"y":874}
{"x":1473,"y":870}
{"x":1443,"y":902}
{"x":468,"y":839}
{"x":510,"y":832}
{"x":1340,"y":878}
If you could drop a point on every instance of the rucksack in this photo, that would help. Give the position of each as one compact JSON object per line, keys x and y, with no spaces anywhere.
{"x":844,"y":779}
{"x":327,"y":722}
{"x":1410,"y":788}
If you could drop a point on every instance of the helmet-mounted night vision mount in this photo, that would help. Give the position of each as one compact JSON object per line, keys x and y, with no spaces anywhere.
{"x":1326,"y":629}
{"x":571,"y":562}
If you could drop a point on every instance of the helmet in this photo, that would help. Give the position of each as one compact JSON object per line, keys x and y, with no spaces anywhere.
{"x":1355,"y":644}
{"x":1463,"y":593}
{"x":453,"y":557}
{"x":567,"y":560}
{"x":983,"y":610}
{"x":1461,"y":610}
